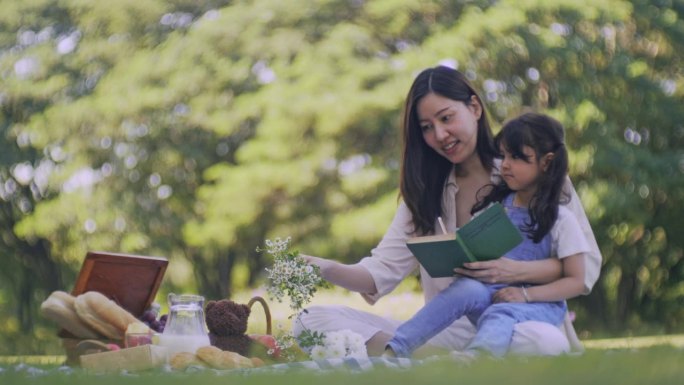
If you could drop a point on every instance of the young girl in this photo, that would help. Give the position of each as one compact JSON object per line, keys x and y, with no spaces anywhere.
{"x":533,"y":171}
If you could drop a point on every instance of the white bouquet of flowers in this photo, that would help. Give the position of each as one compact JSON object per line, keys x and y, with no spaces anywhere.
{"x":340,"y":344}
{"x":290,"y":275}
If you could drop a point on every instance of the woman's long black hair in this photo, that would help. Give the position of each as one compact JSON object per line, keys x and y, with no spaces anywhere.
{"x":424,"y":172}
{"x":544,"y":135}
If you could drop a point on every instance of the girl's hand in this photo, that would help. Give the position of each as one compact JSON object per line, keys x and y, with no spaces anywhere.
{"x":502,"y":270}
{"x":509,"y":294}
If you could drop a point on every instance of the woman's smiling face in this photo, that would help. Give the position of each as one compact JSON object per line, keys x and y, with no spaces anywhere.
{"x":449,"y":126}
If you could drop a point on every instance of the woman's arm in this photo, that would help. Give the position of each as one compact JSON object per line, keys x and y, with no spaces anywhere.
{"x":569,"y":286}
{"x":378,"y":274}
{"x":351,"y":277}
{"x":504,"y":270}
{"x":593,"y":258}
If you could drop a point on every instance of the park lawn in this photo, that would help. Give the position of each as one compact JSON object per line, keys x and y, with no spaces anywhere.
{"x":638,"y":360}
{"x":651,"y":365}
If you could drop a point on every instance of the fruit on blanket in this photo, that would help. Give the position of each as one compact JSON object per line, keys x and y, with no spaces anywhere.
{"x":149,"y":318}
{"x":269,"y":342}
{"x":138,"y":334}
{"x":133,"y":340}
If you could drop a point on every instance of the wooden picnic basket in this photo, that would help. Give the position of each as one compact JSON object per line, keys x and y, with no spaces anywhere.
{"x":131,"y":281}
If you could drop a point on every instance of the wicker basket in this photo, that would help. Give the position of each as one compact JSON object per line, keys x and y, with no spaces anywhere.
{"x":76,"y":347}
{"x":267,"y":311}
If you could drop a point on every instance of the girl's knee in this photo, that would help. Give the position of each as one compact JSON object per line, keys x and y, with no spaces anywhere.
{"x":469,"y":287}
{"x":499,"y":311}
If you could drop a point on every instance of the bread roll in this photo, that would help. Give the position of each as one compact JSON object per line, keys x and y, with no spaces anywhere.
{"x":257,"y":362}
{"x":182,"y":360}
{"x":103,"y":314}
{"x":59,"y":307}
{"x":219,"y":359}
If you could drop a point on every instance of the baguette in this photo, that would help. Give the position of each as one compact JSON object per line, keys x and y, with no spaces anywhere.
{"x":103,"y":314}
{"x":59,"y":307}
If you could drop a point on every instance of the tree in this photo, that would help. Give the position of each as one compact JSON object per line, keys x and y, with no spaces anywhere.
{"x":196,"y":131}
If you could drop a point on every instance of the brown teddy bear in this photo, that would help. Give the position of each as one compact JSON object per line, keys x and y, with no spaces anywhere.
{"x":227,"y":323}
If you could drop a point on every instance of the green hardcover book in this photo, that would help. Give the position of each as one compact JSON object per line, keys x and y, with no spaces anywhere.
{"x":489,"y":235}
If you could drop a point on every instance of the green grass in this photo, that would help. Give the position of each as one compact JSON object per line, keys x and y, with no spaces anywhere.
{"x":637,"y":360}
{"x":653,"y":365}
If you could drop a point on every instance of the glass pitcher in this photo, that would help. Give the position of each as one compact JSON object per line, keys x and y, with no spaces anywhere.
{"x":185,"y":329}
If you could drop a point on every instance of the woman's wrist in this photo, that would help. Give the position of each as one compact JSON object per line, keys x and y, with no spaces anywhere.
{"x":536,"y":272}
{"x":324,"y":265}
{"x":351,"y":277}
{"x":516,"y":272}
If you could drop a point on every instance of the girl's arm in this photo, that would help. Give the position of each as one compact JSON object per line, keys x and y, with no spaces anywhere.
{"x":569,"y":286}
{"x":351,"y":277}
{"x":504,"y":270}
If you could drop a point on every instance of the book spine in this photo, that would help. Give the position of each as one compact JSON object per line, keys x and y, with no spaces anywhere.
{"x":465,"y":248}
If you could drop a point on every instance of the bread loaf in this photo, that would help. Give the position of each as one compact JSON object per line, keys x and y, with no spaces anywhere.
{"x":59,"y":307}
{"x":103,"y":314}
{"x":182,"y":360}
{"x":220,"y":359}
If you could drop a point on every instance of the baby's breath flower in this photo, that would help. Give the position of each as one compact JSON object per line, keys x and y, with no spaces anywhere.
{"x":340,"y":344}
{"x":290,"y":276}
{"x":335,"y":351}
{"x":318,"y":353}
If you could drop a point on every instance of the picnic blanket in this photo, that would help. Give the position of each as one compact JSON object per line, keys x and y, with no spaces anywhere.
{"x":350,"y":365}
{"x":333,"y":364}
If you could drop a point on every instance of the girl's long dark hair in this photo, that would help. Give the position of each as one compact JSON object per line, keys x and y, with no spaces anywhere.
{"x":423,"y":171}
{"x":544,"y":135}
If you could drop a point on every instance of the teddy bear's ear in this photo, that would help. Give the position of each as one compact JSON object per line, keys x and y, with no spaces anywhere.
{"x":209,"y":305}
{"x":246,"y":310}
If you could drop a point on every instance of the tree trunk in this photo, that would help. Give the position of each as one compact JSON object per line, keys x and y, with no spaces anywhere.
{"x":625,"y":299}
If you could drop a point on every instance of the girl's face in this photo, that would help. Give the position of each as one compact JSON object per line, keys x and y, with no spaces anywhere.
{"x":449,"y":126}
{"x":521,"y":174}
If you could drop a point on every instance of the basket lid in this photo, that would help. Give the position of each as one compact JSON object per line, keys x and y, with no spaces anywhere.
{"x":129,"y":280}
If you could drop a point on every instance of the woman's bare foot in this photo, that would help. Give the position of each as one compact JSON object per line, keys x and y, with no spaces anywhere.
{"x":376,"y":345}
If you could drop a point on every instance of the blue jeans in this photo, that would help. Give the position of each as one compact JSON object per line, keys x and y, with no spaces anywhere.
{"x":473,"y":299}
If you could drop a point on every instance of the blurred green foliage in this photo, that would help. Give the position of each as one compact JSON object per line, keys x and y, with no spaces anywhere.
{"x":195,"y":130}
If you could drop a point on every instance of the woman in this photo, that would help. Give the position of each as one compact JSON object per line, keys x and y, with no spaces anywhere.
{"x":448,"y":157}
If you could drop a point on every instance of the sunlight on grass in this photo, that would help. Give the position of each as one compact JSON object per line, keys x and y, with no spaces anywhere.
{"x":635,"y":342}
